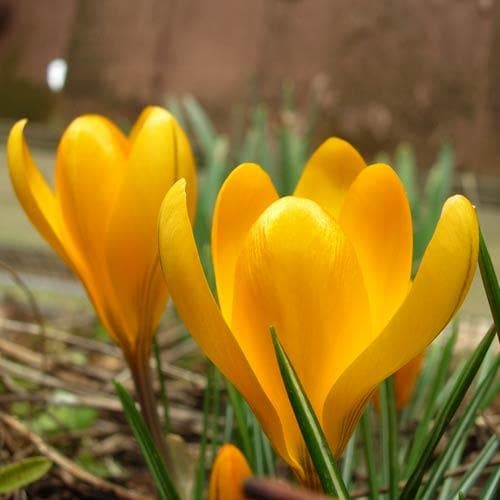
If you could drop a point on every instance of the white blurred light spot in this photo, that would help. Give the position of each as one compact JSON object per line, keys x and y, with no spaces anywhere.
{"x":56,"y":74}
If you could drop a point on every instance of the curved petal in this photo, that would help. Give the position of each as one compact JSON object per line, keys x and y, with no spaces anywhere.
{"x":405,"y":379}
{"x":377,"y":220}
{"x":159,"y":152}
{"x":245,"y":194}
{"x":299,"y":273}
{"x":329,"y":173}
{"x":89,"y":173}
{"x":438,"y":291}
{"x":33,"y":192}
{"x":192,"y":297}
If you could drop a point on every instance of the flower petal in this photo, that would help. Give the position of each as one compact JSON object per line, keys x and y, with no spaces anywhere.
{"x":299,"y":273}
{"x":377,"y":220}
{"x":438,"y":291}
{"x":329,"y":173}
{"x":159,"y":153}
{"x":189,"y":290}
{"x":405,"y":379}
{"x":89,"y":173}
{"x":245,"y":194}
{"x":33,"y":192}
{"x":229,"y":471}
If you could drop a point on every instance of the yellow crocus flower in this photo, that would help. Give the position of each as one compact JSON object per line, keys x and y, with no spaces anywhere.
{"x":229,"y":471}
{"x":330,"y":268}
{"x":101,"y":216}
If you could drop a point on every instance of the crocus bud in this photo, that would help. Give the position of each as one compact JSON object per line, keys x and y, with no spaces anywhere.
{"x":229,"y":471}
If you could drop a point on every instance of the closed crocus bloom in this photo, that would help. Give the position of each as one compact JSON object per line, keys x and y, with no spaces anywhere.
{"x":329,"y":268}
{"x":101,"y":216}
{"x":229,"y":471}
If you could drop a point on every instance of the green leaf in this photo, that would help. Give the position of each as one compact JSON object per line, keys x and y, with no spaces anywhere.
{"x":321,"y":455}
{"x":202,"y":452}
{"x":435,"y":386}
{"x":490,"y":281}
{"x":475,"y":470}
{"x":20,"y":474}
{"x":389,"y":436}
{"x":406,"y":167}
{"x":458,"y":434}
{"x":349,"y":459}
{"x":202,"y":125}
{"x":493,"y":484}
{"x":238,"y":405}
{"x":444,"y":416}
{"x":166,"y":488}
{"x":368,"y":448}
{"x":163,"y":385}
{"x":63,"y":418}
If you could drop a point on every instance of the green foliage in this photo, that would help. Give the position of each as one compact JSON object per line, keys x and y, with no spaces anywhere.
{"x":317,"y":445}
{"x":446,"y":413}
{"x":490,"y":281}
{"x":165,"y":486}
{"x":22,"y":473}
{"x":63,"y":418}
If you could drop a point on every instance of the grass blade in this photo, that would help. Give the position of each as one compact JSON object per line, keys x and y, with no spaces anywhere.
{"x":349,"y":459}
{"x":199,"y":489}
{"x":490,"y":281}
{"x":203,"y":129}
{"x":315,"y":440}
{"x":460,"y":430}
{"x":492,"y":486}
{"x":477,"y":467}
{"x":390,"y":436}
{"x":166,"y":488}
{"x":238,"y":405}
{"x":368,"y":448}
{"x":163,"y":385}
{"x":435,"y":387}
{"x":457,"y":394}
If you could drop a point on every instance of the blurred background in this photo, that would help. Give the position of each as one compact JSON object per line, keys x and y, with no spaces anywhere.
{"x":265,"y":80}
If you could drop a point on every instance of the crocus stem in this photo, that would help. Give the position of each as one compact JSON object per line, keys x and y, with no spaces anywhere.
{"x":141,"y":374}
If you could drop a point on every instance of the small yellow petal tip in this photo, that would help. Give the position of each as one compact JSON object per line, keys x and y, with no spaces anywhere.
{"x":229,"y":471}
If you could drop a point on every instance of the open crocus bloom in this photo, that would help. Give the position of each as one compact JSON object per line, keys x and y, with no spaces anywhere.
{"x":329,"y":267}
{"x":101,"y":217}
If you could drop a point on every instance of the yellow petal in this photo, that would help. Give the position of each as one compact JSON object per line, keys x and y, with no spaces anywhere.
{"x":159,"y":153}
{"x":33,"y":192}
{"x":405,"y":379}
{"x":298,"y":272}
{"x":377,"y":220}
{"x":229,"y":471}
{"x":89,"y":173}
{"x":245,"y":194}
{"x":197,"y":307}
{"x":438,"y":291}
{"x":329,"y":173}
